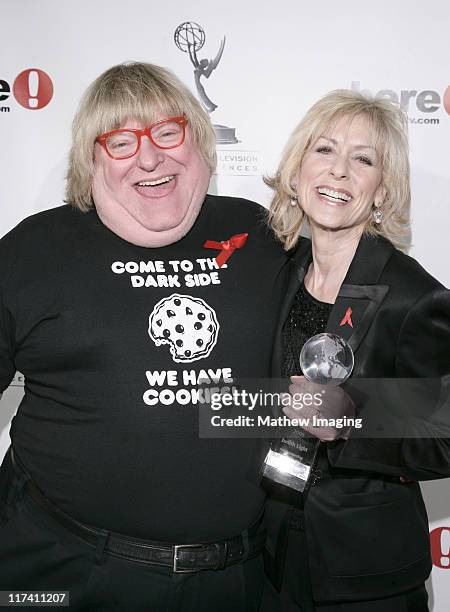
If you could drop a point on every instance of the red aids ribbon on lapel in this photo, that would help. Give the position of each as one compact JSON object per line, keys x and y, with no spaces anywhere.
{"x":226,"y":247}
{"x":347,"y":318}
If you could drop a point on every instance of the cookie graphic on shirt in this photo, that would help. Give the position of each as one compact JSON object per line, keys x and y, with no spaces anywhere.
{"x":188,"y":325}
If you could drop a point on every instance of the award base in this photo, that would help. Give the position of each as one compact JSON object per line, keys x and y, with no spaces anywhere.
{"x":225,"y":135}
{"x":291,"y":461}
{"x":286,"y":470}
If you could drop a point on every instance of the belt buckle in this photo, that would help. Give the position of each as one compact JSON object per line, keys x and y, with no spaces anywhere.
{"x":176,"y":549}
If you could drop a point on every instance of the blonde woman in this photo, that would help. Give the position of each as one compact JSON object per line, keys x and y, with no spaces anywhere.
{"x":359,"y":540}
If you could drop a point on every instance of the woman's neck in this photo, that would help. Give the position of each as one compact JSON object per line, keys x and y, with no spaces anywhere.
{"x":332,"y":252}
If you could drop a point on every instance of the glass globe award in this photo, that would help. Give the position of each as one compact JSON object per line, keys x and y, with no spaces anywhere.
{"x":327,"y":360}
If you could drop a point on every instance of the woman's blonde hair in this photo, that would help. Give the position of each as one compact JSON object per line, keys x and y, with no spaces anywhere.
{"x":132,"y":90}
{"x":389,"y":130}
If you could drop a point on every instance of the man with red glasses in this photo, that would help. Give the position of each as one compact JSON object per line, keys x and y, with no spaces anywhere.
{"x":116,"y":308}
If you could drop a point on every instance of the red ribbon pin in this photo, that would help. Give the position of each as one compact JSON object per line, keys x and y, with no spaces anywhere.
{"x":226,"y":247}
{"x":347,"y":318}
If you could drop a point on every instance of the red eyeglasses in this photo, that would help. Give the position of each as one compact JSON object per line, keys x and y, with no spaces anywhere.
{"x":166,"y":134}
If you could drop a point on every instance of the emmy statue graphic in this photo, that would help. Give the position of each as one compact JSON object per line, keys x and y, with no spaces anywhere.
{"x":190,"y":37}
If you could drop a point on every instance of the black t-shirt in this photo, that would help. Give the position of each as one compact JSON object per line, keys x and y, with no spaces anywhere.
{"x":112,"y":338}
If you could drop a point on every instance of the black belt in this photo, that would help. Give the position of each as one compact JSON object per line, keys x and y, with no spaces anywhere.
{"x":181,"y":558}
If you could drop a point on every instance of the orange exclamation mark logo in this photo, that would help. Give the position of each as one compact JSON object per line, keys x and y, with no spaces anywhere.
{"x":33,"y":88}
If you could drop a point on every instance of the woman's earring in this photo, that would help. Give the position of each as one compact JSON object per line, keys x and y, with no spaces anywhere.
{"x":294,"y":198}
{"x":377,"y":214}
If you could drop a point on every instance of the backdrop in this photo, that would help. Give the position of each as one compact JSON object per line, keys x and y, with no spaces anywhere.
{"x":264,"y":63}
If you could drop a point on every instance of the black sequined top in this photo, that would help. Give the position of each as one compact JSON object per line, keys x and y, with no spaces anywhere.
{"x":306,"y":318}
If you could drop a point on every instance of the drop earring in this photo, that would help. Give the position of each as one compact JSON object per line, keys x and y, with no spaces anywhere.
{"x":377,"y":214}
{"x":294,"y":198}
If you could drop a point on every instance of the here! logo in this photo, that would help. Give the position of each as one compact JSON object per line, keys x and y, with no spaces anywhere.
{"x":32,"y":89}
{"x":425,"y":102}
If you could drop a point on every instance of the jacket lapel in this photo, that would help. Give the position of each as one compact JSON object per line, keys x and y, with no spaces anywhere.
{"x":354,"y":310}
{"x":358,"y":300}
{"x":360,"y":295}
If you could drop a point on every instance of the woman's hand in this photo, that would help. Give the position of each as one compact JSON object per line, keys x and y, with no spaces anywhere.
{"x":333,"y":406}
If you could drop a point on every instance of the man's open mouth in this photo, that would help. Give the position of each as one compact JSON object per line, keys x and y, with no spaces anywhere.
{"x":161,"y":181}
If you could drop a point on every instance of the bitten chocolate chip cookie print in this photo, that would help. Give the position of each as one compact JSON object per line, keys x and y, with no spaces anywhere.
{"x":188,"y":325}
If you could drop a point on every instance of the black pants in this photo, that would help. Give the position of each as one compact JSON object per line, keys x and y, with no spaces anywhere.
{"x":36,"y":553}
{"x":296,"y":592}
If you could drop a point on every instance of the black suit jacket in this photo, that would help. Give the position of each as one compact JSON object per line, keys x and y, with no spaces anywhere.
{"x":367,"y":532}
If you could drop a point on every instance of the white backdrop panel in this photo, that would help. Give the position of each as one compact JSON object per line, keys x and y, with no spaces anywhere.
{"x":278,"y":59}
